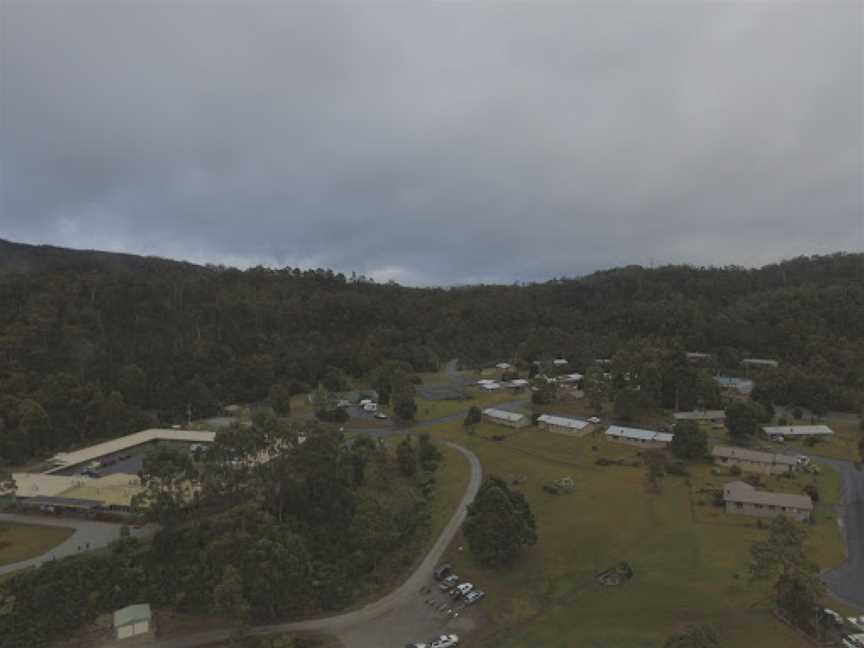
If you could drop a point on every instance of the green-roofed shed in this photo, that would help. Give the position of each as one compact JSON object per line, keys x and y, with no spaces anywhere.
{"x":133,"y":620}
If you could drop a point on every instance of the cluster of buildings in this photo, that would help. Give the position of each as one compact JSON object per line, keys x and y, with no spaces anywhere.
{"x":102,"y":478}
{"x":739,"y":497}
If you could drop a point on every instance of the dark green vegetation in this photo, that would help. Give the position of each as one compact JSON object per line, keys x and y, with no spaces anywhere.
{"x":263,"y":526}
{"x":95,"y":345}
{"x":499,"y":524}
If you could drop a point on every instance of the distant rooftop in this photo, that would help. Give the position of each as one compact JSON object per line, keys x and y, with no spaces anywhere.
{"x":504,"y":415}
{"x":621,"y":432}
{"x":739,"y":491}
{"x":562,"y":421}
{"x":755,"y":456}
{"x":797,"y":430}
{"x":700,"y":415}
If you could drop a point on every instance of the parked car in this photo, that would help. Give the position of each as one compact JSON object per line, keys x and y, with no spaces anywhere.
{"x":803,"y":460}
{"x":415,"y":645}
{"x":451,"y":580}
{"x":380,"y":415}
{"x":474,"y":596}
{"x":594,"y":419}
{"x":445,"y":641}
{"x":464,"y":588}
{"x":858,"y":622}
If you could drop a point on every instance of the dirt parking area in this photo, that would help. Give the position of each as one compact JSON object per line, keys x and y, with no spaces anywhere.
{"x":428,"y":614}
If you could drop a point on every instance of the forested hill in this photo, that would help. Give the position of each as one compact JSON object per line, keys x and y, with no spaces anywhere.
{"x":92,"y":348}
{"x":22,"y":258}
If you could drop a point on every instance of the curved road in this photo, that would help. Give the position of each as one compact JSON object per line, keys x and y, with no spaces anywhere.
{"x":404,"y":594}
{"x":847,"y":581}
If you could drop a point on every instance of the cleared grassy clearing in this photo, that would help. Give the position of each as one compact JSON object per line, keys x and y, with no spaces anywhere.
{"x":429,"y":410}
{"x":687,"y":569}
{"x":27,"y":541}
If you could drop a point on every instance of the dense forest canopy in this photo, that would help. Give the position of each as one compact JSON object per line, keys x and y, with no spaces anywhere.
{"x":93,"y":344}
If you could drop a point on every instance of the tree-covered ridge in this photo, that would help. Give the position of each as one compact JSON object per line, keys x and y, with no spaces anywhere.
{"x":94,"y":352}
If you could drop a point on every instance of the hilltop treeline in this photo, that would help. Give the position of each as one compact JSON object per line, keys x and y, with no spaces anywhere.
{"x":89,"y":350}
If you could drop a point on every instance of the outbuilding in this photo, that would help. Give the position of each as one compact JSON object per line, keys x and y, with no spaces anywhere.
{"x":711,"y":416}
{"x":503,"y":417}
{"x":563,"y":425}
{"x":768,"y":463}
{"x":742,"y":498}
{"x":637,"y":437}
{"x":797,"y":431}
{"x":133,"y":621}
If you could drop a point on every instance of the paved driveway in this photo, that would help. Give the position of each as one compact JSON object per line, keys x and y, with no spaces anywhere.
{"x":373,"y":626}
{"x":88,"y":535}
{"x":847,"y":581}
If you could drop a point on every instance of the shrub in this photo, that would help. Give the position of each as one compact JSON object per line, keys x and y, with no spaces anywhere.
{"x":735,"y":470}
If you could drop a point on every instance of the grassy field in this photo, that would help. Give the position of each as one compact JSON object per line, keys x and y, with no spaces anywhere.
{"x":428,"y":409}
{"x":310,"y":641}
{"x":690,"y":567}
{"x":28,"y":540}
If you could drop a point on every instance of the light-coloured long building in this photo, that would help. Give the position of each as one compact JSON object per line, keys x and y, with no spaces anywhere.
{"x":769,"y":463}
{"x":701,"y":415}
{"x":637,"y":437}
{"x":797,"y":431}
{"x":742,"y":498}
{"x":63,"y":460}
{"x":503,"y":417}
{"x":563,"y":425}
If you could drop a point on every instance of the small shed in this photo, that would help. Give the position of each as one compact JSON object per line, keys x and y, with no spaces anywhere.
{"x":133,"y":621}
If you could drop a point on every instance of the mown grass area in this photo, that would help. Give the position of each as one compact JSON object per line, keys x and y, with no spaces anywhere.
{"x":24,"y":541}
{"x":429,"y":409}
{"x":843,"y":445}
{"x":688,"y":569}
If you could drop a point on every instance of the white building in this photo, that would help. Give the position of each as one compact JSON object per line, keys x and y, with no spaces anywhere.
{"x":564,"y":425}
{"x":637,"y":437}
{"x":504,"y":365}
{"x":713,"y":416}
{"x":559,"y":362}
{"x":133,"y":621}
{"x":503,"y":417}
{"x":797,"y":431}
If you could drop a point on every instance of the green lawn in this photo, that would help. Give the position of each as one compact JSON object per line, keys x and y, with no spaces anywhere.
{"x":689,"y":567}
{"x":28,"y":540}
{"x":428,"y":409}
{"x":316,"y":640}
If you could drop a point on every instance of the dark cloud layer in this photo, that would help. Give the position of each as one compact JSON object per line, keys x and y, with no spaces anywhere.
{"x":434,"y":143}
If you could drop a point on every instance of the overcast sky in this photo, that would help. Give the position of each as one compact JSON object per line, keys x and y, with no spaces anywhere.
{"x":434,"y":143}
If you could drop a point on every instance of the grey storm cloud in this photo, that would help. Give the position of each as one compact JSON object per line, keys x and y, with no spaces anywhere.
{"x":434,"y":143}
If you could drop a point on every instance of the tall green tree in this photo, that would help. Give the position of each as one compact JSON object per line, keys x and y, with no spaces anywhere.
{"x":499,"y":523}
{"x":690,"y":441}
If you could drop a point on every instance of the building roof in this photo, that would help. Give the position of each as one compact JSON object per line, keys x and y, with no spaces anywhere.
{"x":38,"y":485}
{"x":562,"y":421}
{"x":132,"y":614}
{"x":739,"y":491}
{"x":743,"y":385}
{"x":730,"y":452}
{"x":559,"y":362}
{"x":696,"y":355}
{"x":503,"y":365}
{"x":797,"y":430}
{"x":66,"y":459}
{"x":490,"y":385}
{"x":760,"y":362}
{"x":573,"y":377}
{"x":504,"y":415}
{"x":519,"y":382}
{"x":700,"y":415}
{"x":68,"y":502}
{"x":637,"y":434}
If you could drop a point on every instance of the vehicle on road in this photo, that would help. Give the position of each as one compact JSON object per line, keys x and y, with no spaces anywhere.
{"x":474,"y":596}
{"x":445,"y":641}
{"x":594,"y":419}
{"x":380,"y":415}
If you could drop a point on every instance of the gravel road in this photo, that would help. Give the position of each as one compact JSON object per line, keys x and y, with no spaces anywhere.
{"x":88,"y":535}
{"x":847,"y":581}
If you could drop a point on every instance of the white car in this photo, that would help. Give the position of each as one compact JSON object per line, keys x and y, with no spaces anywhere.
{"x":858,"y":622}
{"x":473,"y":596}
{"x":464,"y":588}
{"x":380,"y":415}
{"x":445,"y":641}
{"x":594,"y":419}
